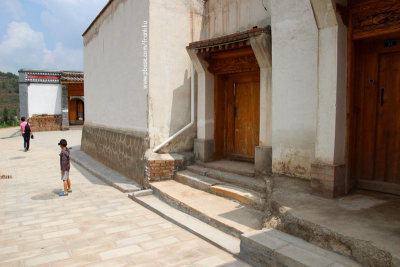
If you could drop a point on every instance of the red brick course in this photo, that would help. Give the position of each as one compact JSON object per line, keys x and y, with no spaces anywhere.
{"x":327,"y":180}
{"x":160,"y":170}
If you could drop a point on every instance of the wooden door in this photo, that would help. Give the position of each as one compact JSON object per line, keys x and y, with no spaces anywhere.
{"x":243,"y":114}
{"x":387,"y":157}
{"x":72,"y":110}
{"x":377,"y":109}
{"x":236,"y":103}
{"x":79,"y":110}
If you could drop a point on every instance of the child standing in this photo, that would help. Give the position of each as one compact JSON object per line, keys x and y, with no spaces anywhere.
{"x":65,"y":166}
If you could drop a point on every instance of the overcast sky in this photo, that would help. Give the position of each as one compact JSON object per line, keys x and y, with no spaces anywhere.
{"x":44,"y":34}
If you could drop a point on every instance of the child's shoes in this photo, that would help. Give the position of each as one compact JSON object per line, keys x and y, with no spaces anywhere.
{"x":63,"y":194}
{"x":69,"y":190}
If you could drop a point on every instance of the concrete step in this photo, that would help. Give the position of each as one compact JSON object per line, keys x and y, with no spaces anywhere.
{"x":269,"y":247}
{"x":210,"y":234}
{"x":242,"y":195}
{"x":224,"y":214}
{"x":252,"y":183}
{"x":231,"y":166}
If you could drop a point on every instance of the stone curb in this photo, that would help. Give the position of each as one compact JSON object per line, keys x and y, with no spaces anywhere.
{"x":270,"y":247}
{"x":104,"y":173}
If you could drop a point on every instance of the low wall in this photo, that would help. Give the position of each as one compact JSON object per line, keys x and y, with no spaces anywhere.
{"x":161,"y":167}
{"x":120,"y":150}
{"x":42,"y":123}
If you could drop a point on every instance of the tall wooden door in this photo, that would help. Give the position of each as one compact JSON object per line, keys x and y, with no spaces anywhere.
{"x":243,"y":115}
{"x":377,"y":106}
{"x":387,"y":157}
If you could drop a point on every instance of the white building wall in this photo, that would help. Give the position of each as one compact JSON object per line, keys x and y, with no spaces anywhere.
{"x":173,"y":25}
{"x":294,"y":86}
{"x":44,"y":99}
{"x":115,"y":91}
{"x":231,"y":16}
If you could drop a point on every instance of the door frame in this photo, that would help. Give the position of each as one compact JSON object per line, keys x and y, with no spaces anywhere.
{"x":358,"y":32}
{"x":238,"y":61}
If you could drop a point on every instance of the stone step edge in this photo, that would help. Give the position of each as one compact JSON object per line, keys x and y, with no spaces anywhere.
{"x":270,"y":247}
{"x":219,"y":175}
{"x":243,"y":173}
{"x":193,"y":225}
{"x":183,"y":207}
{"x":118,"y":185}
{"x":361,"y":253}
{"x":213,"y":186}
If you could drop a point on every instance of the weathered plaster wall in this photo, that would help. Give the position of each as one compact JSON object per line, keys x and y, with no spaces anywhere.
{"x":332,"y":84}
{"x":115,"y":93}
{"x":294,"y":86}
{"x":173,"y":25}
{"x":44,"y":99}
{"x":230,"y":16}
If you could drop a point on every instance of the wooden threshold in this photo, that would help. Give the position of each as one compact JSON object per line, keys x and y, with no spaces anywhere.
{"x":385,"y":187}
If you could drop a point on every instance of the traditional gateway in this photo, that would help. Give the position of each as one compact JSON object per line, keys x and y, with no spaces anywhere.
{"x":52,"y":100}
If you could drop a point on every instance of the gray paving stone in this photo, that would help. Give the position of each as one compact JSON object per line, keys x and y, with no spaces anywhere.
{"x":118,"y":252}
{"x":133,"y":240}
{"x":47,"y":259}
{"x":89,"y":211}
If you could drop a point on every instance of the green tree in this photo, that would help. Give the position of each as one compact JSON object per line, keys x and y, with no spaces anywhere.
{"x":6,"y":115}
{"x":3,"y":85}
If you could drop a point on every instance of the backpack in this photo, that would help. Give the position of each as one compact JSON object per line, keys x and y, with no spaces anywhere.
{"x":27,"y":129}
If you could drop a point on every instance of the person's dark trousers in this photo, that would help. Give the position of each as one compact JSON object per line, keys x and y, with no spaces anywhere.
{"x":27,"y":138}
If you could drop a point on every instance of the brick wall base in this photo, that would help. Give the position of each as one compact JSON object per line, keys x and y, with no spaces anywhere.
{"x":327,"y":180}
{"x":161,"y":167}
{"x":42,"y":123}
{"x":120,"y":150}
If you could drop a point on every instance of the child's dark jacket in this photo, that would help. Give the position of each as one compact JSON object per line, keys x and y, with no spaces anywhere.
{"x":64,"y":160}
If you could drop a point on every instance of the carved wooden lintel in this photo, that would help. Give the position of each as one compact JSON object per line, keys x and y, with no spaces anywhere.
{"x":234,"y":65}
{"x":375,"y":16}
{"x":233,"y":61}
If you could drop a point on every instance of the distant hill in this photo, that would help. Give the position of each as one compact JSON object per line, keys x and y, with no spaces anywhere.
{"x":9,"y":98}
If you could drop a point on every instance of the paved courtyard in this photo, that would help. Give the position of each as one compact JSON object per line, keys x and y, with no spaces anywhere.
{"x":96,"y":225}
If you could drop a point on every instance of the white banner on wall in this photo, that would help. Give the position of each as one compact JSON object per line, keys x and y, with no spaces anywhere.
{"x":44,"y":99}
